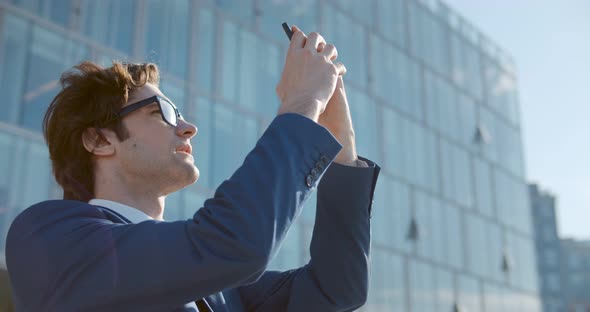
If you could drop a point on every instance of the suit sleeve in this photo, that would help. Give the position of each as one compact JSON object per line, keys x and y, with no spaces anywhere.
{"x":336,"y":277}
{"x":72,"y":259}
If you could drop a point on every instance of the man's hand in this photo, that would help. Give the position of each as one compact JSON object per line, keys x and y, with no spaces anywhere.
{"x":336,"y":118}
{"x":309,"y":77}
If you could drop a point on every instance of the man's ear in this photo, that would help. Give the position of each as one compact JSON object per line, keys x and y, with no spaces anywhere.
{"x":99,"y":142}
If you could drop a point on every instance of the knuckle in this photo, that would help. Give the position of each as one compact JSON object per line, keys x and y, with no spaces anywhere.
{"x":307,"y":52}
{"x":334,"y":69}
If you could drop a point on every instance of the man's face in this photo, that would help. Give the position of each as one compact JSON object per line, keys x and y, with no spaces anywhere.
{"x":156,"y":154}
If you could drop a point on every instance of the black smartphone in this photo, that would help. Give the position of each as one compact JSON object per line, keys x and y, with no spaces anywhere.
{"x":287,"y":30}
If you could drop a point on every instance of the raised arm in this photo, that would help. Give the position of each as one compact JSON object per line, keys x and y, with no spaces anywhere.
{"x":72,"y":259}
{"x":336,"y":278}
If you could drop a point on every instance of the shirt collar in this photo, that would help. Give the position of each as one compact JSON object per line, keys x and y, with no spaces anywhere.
{"x":133,"y":214}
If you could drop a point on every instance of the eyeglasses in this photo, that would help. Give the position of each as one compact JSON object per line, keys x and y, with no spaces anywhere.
{"x":169,"y":112}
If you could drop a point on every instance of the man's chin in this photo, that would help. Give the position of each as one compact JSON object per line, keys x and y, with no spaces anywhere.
{"x":193,"y":174}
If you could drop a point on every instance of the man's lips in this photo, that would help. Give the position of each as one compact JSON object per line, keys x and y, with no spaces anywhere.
{"x":186,"y":148}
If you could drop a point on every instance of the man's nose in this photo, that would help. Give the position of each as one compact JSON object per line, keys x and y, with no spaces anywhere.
{"x":186,"y":129}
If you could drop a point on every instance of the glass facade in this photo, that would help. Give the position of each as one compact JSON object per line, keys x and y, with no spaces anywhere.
{"x":422,"y":84}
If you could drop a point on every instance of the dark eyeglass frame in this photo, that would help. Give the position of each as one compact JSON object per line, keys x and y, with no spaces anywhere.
{"x":154,"y":99}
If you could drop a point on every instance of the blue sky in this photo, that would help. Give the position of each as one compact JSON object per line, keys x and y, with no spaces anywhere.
{"x":550,"y":44}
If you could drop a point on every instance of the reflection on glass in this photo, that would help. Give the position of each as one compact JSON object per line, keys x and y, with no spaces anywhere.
{"x":174,"y":208}
{"x":258,"y":74}
{"x":201,"y":142}
{"x":468,"y":294}
{"x":387,"y":290}
{"x":50,"y":54}
{"x":455,"y":236}
{"x":58,"y":11}
{"x":205,"y":48}
{"x":235,"y":135}
{"x":444,"y":290}
{"x":228,"y":85}
{"x":477,"y":244}
{"x":110,"y":22}
{"x":364,"y":112}
{"x":273,"y":13}
{"x":423,"y":294}
{"x":350,"y":40}
{"x":391,"y":17}
{"x":12,"y":66}
{"x":241,"y":9}
{"x":167,"y":35}
{"x":193,"y":201}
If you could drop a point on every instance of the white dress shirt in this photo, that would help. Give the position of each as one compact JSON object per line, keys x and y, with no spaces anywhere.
{"x":133,"y":214}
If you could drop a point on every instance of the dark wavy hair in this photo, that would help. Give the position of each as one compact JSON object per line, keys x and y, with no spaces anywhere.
{"x":90,"y":98}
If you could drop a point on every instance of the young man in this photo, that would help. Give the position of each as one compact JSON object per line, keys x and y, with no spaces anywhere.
{"x":118,"y":147}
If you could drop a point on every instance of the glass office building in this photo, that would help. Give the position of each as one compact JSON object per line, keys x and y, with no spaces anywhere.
{"x":433,"y":100}
{"x":551,"y":264}
{"x":575,"y":275}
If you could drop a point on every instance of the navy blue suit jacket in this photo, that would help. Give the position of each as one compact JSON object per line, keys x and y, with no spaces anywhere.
{"x":72,"y":256}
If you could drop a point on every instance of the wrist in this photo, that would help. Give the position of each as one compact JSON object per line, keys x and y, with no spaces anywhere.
{"x":310,"y":109}
{"x":347,"y":155}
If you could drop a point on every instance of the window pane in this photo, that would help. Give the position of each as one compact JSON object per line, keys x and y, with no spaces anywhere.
{"x":174,"y":208}
{"x":395,"y":78}
{"x":391,"y":17}
{"x":110,"y":22}
{"x":240,"y":9}
{"x":477,"y":245}
{"x":483,"y":187}
{"x":469,"y":296}
{"x":429,"y":38}
{"x":445,"y":290}
{"x":349,"y":38}
{"x":258,"y":74}
{"x":422,"y":291}
{"x":228,"y":85}
{"x":12,"y":66}
{"x":205,"y":58}
{"x":360,"y":10}
{"x":167,"y":35}
{"x":202,"y":147}
{"x":6,"y":154}
{"x":392,"y":142}
{"x":223,"y":144}
{"x":301,"y":13}
{"x":488,"y":122}
{"x":387,"y":291}
{"x":234,"y":136}
{"x":424,"y":214}
{"x":193,"y":201}
{"x":467,"y":121}
{"x":44,"y":71}
{"x":455,"y":236}
{"x":382,"y":212}
{"x":58,"y":11}
{"x":432,"y":165}
{"x":364,"y":116}
{"x":466,"y":65}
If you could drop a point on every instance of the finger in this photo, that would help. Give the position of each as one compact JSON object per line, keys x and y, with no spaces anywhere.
{"x":340,"y":68}
{"x":340,"y":83}
{"x":330,"y":52}
{"x":313,"y":41}
{"x":298,"y":39}
{"x":321,"y":47}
